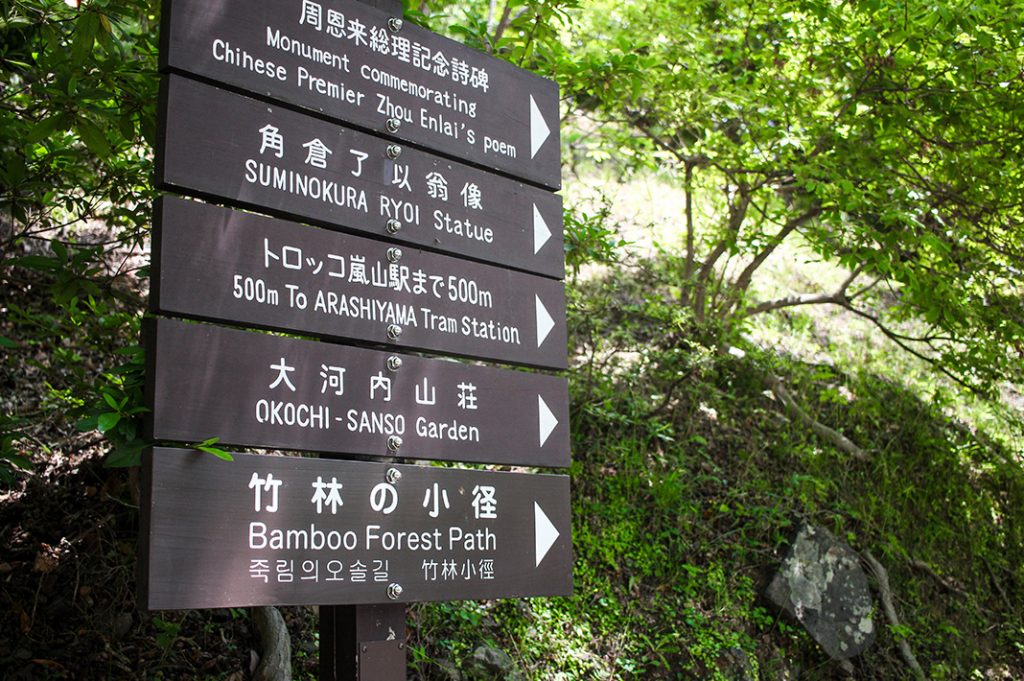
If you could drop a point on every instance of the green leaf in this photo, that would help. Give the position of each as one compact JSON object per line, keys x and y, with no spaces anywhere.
{"x":87,"y":424}
{"x":7,"y":343}
{"x":16,"y":21}
{"x":40,"y":263}
{"x":109,"y":399}
{"x":85,"y":35}
{"x":93,"y":137}
{"x":59,"y":250}
{"x":125,"y":456}
{"x":15,"y":169}
{"x":126,"y":126}
{"x":107,"y":421}
{"x":17,"y":460}
{"x":46,"y":127}
{"x":207,"y":446}
{"x":217,"y":452}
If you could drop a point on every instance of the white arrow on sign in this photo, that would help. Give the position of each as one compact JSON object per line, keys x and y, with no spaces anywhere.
{"x":541,"y":233}
{"x":539,"y":129}
{"x":544,"y":321}
{"x":546,"y":419}
{"x":545,"y":532}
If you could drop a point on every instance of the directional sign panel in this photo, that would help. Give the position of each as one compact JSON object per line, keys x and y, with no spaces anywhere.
{"x":216,"y":143}
{"x":216,"y":263}
{"x":249,"y":388}
{"x":271,"y":530}
{"x":352,"y":63}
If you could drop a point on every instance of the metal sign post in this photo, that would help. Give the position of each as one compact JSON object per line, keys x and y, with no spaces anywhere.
{"x":364,"y":642}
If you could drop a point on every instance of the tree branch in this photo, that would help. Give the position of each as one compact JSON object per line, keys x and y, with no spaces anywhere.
{"x":834,"y":437}
{"x":947,"y":582}
{"x":745,"y":277}
{"x":688,"y":190}
{"x":842,"y":300}
{"x":792,"y":301}
{"x":885,"y":594}
{"x":737,"y":213}
{"x":867,"y":288}
{"x":506,"y":17}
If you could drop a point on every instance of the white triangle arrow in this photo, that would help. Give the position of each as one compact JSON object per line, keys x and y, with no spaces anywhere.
{"x":546,"y":420}
{"x":539,"y":129}
{"x":541,"y":233}
{"x":545,"y":532}
{"x":544,"y":321}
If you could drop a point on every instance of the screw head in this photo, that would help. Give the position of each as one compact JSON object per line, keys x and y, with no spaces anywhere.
{"x":393,"y":151}
{"x":395,"y":24}
{"x":393,"y":226}
{"x":394,"y":591}
{"x":394,"y":443}
{"x":393,"y":124}
{"x":394,"y":254}
{"x":394,"y":363}
{"x":394,"y":331}
{"x":392,"y":476}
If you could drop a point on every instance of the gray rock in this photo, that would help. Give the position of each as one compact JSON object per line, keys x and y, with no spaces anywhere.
{"x":120,"y":625}
{"x":446,"y":671}
{"x":823,"y":586}
{"x":735,"y":665}
{"x":491,"y":664}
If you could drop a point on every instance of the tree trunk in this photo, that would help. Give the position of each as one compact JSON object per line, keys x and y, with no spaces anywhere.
{"x":275,"y":645}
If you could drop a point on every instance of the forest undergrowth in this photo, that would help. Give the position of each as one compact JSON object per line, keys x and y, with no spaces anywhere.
{"x":689,"y":479}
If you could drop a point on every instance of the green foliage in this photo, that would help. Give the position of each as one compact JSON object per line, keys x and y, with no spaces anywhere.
{"x":76,"y":128}
{"x":688,"y":479}
{"x":589,"y":239}
{"x":885,"y":134}
{"x":168,"y":633}
{"x":10,"y":458}
{"x":208,"y":447}
{"x":114,"y":408}
{"x":524,"y":32}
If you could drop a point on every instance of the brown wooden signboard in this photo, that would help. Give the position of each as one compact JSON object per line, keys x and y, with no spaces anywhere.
{"x":218,"y":144}
{"x":264,"y":530}
{"x":220,"y":264}
{"x":353,"y":63}
{"x":249,"y":388}
{"x":426,"y":167}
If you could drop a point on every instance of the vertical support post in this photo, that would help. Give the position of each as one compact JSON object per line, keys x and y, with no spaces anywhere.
{"x":362,"y":642}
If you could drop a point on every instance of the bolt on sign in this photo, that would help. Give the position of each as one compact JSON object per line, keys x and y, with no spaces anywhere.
{"x":219,"y":144}
{"x":220,"y":264}
{"x":272,"y":391}
{"x":358,"y":65}
{"x":265,"y":530}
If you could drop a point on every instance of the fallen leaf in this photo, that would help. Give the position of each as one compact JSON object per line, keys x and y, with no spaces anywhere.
{"x":46,"y":559}
{"x":51,"y":664}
